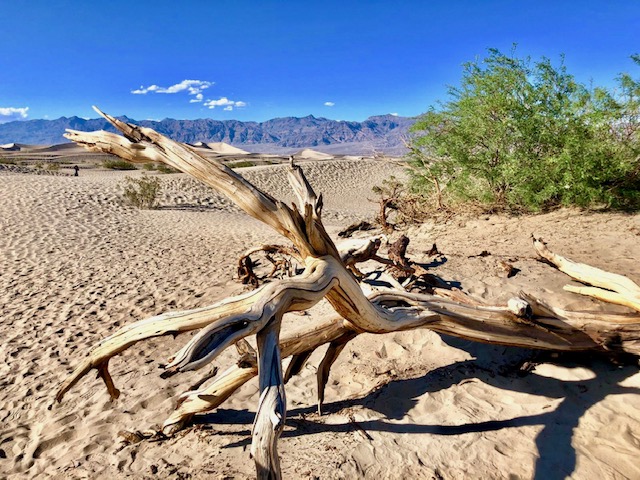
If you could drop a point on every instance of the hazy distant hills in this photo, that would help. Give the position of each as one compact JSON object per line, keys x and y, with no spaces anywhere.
{"x":381,"y":133}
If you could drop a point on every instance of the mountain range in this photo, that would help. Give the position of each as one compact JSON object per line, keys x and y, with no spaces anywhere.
{"x":383,"y":133}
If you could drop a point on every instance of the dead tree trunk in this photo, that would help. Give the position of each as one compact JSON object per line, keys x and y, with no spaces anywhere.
{"x":524,"y":321}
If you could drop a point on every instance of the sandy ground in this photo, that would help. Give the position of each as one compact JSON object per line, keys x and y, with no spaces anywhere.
{"x":76,"y":264}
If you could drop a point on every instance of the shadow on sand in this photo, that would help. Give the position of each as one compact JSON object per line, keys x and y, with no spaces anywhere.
{"x":556,"y":455}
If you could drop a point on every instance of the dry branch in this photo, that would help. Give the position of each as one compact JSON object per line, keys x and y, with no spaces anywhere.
{"x":524,"y":322}
{"x":610,"y":287}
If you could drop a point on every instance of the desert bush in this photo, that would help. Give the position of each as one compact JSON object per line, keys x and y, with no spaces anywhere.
{"x":53,"y":167}
{"x":162,"y":168}
{"x":118,"y":164}
{"x":142,"y":192}
{"x":159,"y":167}
{"x":528,"y":137}
{"x":7,"y":161}
{"x":243,"y":164}
{"x":394,"y":197}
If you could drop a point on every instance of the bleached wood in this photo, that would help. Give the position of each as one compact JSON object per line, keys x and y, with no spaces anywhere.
{"x":325,"y":276}
{"x":612,"y":287}
{"x":606,"y":296}
{"x":272,"y":405}
{"x":322,"y":375}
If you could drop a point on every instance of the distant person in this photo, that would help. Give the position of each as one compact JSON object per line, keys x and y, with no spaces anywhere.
{"x":76,"y":168}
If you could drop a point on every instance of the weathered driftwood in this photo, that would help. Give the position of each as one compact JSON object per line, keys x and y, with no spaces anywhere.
{"x":524,"y":322}
{"x":246,"y":265}
{"x":607,"y":286}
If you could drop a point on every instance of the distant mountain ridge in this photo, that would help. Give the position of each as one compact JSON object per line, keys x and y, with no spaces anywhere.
{"x":382,"y":133}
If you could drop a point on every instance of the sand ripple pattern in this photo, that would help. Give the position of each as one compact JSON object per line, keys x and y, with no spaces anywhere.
{"x":76,"y":264}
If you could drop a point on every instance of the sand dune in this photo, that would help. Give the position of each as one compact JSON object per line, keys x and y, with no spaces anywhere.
{"x":18,"y":147}
{"x":309,"y":154}
{"x":62,"y":148}
{"x":225,"y":148}
{"x":220,"y":148}
{"x":76,"y":264}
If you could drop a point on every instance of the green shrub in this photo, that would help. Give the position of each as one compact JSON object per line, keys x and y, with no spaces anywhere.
{"x":7,"y":161}
{"x":159,"y":167}
{"x":162,"y":168}
{"x":528,"y":137}
{"x":118,"y":165}
{"x":243,"y":164}
{"x":53,"y":167}
{"x":142,"y":192}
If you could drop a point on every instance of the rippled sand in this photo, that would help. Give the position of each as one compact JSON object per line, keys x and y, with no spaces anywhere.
{"x":76,"y":264}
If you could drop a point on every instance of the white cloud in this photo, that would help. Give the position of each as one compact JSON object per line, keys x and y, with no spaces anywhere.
{"x":192,"y":87}
{"x":224,"y":102}
{"x":394,"y":114}
{"x":144,"y":90}
{"x":329,"y":104}
{"x":9,"y":114}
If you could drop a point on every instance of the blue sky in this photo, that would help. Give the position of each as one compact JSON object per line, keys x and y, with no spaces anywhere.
{"x":255,"y":60}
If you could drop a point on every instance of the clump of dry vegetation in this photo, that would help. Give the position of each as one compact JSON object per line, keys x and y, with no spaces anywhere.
{"x":398,"y":205}
{"x":118,"y":165}
{"x":142,"y":192}
{"x":159,"y":167}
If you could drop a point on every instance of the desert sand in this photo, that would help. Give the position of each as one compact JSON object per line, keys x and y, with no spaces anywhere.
{"x":310,"y":154}
{"x":76,"y":264}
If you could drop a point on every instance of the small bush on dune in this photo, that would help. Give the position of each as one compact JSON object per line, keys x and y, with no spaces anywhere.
{"x":118,"y":165}
{"x":162,"y":168}
{"x":393,"y":196}
{"x":243,"y":164}
{"x":142,"y":192}
{"x":159,"y":167}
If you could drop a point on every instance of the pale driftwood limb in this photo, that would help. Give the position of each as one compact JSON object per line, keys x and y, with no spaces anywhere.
{"x":231,"y":320}
{"x":325,"y":276}
{"x":208,"y":397}
{"x":146,"y":145}
{"x":246,"y":273}
{"x":606,"y":296}
{"x":166,"y":324}
{"x":547,"y":328}
{"x":611,"y":287}
{"x":275,"y":299}
{"x":272,"y":405}
{"x":335,"y":348}
{"x":211,"y":396}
